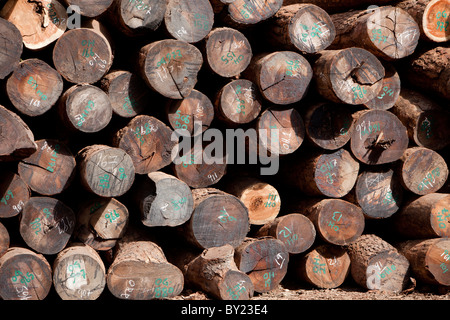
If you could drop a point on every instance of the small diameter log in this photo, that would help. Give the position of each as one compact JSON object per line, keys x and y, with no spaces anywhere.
{"x":34,"y":87}
{"x":183,"y":114}
{"x":24,"y":275}
{"x":379,"y":137}
{"x":388,"y":32}
{"x":377,"y":265}
{"x":379,"y":193}
{"x":16,"y":140}
{"x":425,"y":217}
{"x":338,"y":5}
{"x":90,"y":8}
{"x":325,"y":267}
{"x":101,"y":223}
{"x":40,"y":22}
{"x":14,"y":193}
{"x":82,"y":55}
{"x":425,"y":119}
{"x":422,"y":171}
{"x":295,"y":230}
{"x":50,"y":170}
{"x":228,"y":52}
{"x":215,"y":272}
{"x":324,"y":174}
{"x":140,"y":271}
{"x":390,"y":92}
{"x":283,"y":77}
{"x":85,"y":108}
{"x":164,"y":200}
{"x":218,"y":219}
{"x":148,"y":142}
{"x":127,"y":93}
{"x":189,"y":21}
{"x":79,"y":273}
{"x":350,"y":76}
{"x":11,"y":50}
{"x":304,"y":27}
{"x":261,"y":199}
{"x":264,"y":260}
{"x":46,"y":224}
{"x":170,"y":67}
{"x":429,"y":259}
{"x":105,"y":171}
{"x":329,"y":125}
{"x":4,"y":239}
{"x":245,"y":13}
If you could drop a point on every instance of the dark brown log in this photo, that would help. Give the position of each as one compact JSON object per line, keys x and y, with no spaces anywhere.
{"x":377,"y":265}
{"x":50,"y":170}
{"x":24,"y":275}
{"x":34,"y":87}
{"x":379,"y":137}
{"x":244,"y":13}
{"x":350,"y":76}
{"x":11,"y":50}
{"x":390,"y":92}
{"x":422,"y":171}
{"x":90,"y":8}
{"x":40,"y":22}
{"x":105,"y":171}
{"x":388,"y":32}
{"x":339,"y":5}
{"x":101,"y":223}
{"x":283,"y":77}
{"x":326,"y":266}
{"x":16,"y":138}
{"x":228,"y":52}
{"x":148,"y":142}
{"x":264,"y":260}
{"x":295,"y":230}
{"x":170,"y":67}
{"x":426,"y":120}
{"x":83,"y":55}
{"x":14,"y":193}
{"x":127,"y":92}
{"x":429,"y":259}
{"x":238,"y":102}
{"x":424,"y":217}
{"x":4,"y":239}
{"x":79,"y":273}
{"x":304,"y":27}
{"x":218,"y":219}
{"x":46,"y":224}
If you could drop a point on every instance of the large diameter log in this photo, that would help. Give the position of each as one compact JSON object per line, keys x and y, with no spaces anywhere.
{"x":101,"y":222}
{"x":388,"y":32}
{"x":50,"y":170}
{"x":4,"y":239}
{"x":16,"y":140}
{"x":338,"y":5}
{"x":14,"y":193}
{"x":90,"y":8}
{"x":390,"y":92}
{"x":40,"y":22}
{"x":283,"y":77}
{"x":79,"y":273}
{"x":379,"y":137}
{"x":429,"y":259}
{"x":11,"y":51}
{"x":422,"y":171}
{"x":34,"y":87}
{"x":148,"y":142}
{"x":377,"y":265}
{"x":24,"y":275}
{"x":105,"y":171}
{"x":218,"y":219}
{"x":244,"y":13}
{"x":425,"y":217}
{"x":170,"y":67}
{"x":264,"y":260}
{"x":82,"y":55}
{"x":295,"y":230}
{"x":304,"y":27}
{"x":350,"y":76}
{"x":425,"y":119}
{"x":189,"y":21}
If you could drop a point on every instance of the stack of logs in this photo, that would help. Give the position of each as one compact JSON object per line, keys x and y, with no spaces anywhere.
{"x":92,"y":201}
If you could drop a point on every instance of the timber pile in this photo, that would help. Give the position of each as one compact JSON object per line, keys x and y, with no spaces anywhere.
{"x":93,"y":203}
